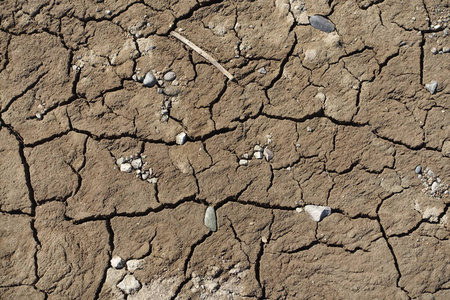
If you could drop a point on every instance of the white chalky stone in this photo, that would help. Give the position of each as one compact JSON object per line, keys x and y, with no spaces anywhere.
{"x":243,"y":162}
{"x":117,"y":262}
{"x":126,"y":168}
{"x":181,"y":138}
{"x":258,"y":155}
{"x":135,"y":264}
{"x":129,"y":284}
{"x":317,"y":213}
{"x":136,"y":163}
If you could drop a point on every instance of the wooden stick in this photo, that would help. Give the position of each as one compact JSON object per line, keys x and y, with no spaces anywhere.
{"x":202,"y":53}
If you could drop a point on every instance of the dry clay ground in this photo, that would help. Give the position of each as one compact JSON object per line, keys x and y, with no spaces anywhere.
{"x":345,"y":113}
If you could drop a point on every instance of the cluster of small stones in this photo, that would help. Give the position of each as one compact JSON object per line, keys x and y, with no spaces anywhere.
{"x":136,"y":163}
{"x":129,"y":284}
{"x":41,"y":111}
{"x":259,"y":152}
{"x":161,"y":80}
{"x":433,"y":185}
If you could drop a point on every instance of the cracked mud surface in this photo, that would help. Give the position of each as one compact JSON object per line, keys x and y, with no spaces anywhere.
{"x":345,"y":114}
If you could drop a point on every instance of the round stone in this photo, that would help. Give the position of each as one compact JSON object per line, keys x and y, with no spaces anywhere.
{"x":418,"y":169}
{"x":149,"y":80}
{"x":136,"y":163}
{"x":170,"y":76}
{"x":117,"y":262}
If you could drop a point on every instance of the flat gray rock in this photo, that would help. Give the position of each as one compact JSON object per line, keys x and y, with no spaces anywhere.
{"x":432,"y":86}
{"x":317,"y":213}
{"x":321,"y":23}
{"x":210,"y":219}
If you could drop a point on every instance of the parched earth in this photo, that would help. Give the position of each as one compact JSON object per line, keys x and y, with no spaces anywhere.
{"x":346,"y":115}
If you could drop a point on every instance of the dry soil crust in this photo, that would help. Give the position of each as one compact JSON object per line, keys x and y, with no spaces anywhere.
{"x":345,"y":114}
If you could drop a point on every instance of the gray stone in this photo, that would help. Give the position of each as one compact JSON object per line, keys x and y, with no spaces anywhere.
{"x":126,"y":168}
{"x":268,"y":154}
{"x":170,"y":76}
{"x":432,"y":86}
{"x":210,"y":219}
{"x":446,"y":49}
{"x":418,"y":169}
{"x":258,"y":155}
{"x":262,"y":71}
{"x":317,"y":213}
{"x":117,"y":262}
{"x":149,"y":80}
{"x":434,"y":187}
{"x":171,"y":91}
{"x":120,"y":161}
{"x":129,"y":284}
{"x":321,"y":23}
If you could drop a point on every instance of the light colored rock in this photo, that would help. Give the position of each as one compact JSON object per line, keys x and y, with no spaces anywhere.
{"x":434,"y":187}
{"x":210,"y":219}
{"x":153,"y":180}
{"x":170,"y":76}
{"x":135,"y":264}
{"x":257,"y":148}
{"x":321,"y":23}
{"x":418,"y":169}
{"x":181,"y":138}
{"x":432,"y":86}
{"x":299,"y":209}
{"x":126,"y":168}
{"x":258,"y":155}
{"x":243,"y":162}
{"x":120,"y":161}
{"x":268,"y":154}
{"x":117,"y":262}
{"x":136,"y":163}
{"x":149,"y":80}
{"x":129,"y":284}
{"x":317,"y":213}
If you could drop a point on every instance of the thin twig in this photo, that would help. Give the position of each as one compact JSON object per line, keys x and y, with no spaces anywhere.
{"x":202,"y":53}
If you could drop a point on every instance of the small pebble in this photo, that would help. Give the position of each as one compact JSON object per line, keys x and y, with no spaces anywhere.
{"x":309,"y":129}
{"x":39,"y":116}
{"x":257,"y":148}
{"x":317,"y":213}
{"x":145,"y":175}
{"x":117,"y":262}
{"x":264,"y":240}
{"x":210,"y":219}
{"x":245,"y":156}
{"x":321,"y":23}
{"x":299,"y":209}
{"x":262,"y":71}
{"x":149,"y":80}
{"x":120,"y":161}
{"x":268,"y":154}
{"x":170,"y":76}
{"x":153,"y":180}
{"x":434,"y":187}
{"x":446,"y":49}
{"x":258,"y":155}
{"x":135,"y":264}
{"x":432,"y":86}
{"x":126,"y":168}
{"x":181,"y":138}
{"x":129,"y":284}
{"x":243,"y":162}
{"x":434,"y":50}
{"x":136,"y":163}
{"x":108,"y":12}
{"x":430,"y":173}
{"x":418,"y":169}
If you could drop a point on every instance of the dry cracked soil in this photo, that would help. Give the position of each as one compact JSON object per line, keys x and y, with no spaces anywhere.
{"x":346,"y":115}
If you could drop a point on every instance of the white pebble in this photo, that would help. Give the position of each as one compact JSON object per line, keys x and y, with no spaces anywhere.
{"x":316,"y":212}
{"x":135,"y":264}
{"x":258,"y":155}
{"x":181,"y":138}
{"x":153,"y":180}
{"x":136,"y":163}
{"x":434,"y":187}
{"x":243,"y":162}
{"x":126,"y":168}
{"x":129,"y":284}
{"x":117,"y":262}
{"x":120,"y":161}
{"x":258,"y":148}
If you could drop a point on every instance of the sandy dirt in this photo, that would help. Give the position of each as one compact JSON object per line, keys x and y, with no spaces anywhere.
{"x":346,"y":115}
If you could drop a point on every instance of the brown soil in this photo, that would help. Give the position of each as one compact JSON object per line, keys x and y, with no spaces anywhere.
{"x":346,"y":115}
